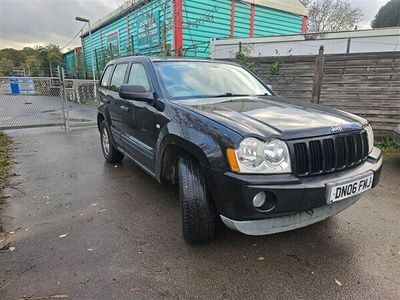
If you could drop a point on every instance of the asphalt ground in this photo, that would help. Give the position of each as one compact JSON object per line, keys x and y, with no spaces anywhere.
{"x":77,"y":227}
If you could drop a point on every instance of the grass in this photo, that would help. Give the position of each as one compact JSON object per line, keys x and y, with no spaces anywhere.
{"x":387,"y":145}
{"x":5,"y":159}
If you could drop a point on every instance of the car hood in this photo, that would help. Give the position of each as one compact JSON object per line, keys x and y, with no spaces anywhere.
{"x":275,"y":116}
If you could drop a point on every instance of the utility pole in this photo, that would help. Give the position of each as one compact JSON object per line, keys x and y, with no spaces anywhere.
{"x":80,"y":19}
{"x":91,"y":51}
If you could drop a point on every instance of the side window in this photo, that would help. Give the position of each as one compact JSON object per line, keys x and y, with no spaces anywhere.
{"x":138,"y":76}
{"x":106,"y":77}
{"x":118,"y":77}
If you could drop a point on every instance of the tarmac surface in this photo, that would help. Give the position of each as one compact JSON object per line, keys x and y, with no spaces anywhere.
{"x":76,"y":227}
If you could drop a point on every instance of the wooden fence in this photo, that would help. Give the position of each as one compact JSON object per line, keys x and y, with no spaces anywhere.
{"x":366,"y":84}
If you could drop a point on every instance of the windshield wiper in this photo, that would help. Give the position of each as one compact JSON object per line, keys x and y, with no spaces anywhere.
{"x":230,"y":95}
{"x":225,"y":95}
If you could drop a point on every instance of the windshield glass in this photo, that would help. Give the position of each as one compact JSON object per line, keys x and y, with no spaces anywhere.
{"x":194,"y":79}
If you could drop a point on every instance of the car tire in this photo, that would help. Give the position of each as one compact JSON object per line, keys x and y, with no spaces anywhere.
{"x":198,"y":212}
{"x":110,"y":152}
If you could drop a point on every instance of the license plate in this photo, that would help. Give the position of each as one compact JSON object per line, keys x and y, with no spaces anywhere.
{"x":349,"y":187}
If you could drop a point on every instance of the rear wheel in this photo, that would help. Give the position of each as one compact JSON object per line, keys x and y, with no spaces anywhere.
{"x":111,"y":154}
{"x":198,"y":212}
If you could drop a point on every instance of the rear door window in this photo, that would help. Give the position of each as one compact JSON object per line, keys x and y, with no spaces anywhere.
{"x":118,"y":77}
{"x":106,"y":77}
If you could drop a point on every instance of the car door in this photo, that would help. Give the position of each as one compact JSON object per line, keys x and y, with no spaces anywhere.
{"x":118,"y":108}
{"x":106,"y":97}
{"x":141,"y":132}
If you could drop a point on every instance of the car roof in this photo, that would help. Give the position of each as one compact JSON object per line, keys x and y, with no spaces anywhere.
{"x":140,"y":58}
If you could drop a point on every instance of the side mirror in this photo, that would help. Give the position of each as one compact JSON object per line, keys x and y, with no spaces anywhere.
{"x":135,"y":92}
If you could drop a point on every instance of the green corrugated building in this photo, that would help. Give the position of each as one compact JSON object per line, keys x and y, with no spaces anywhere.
{"x":73,"y":63}
{"x":185,"y":27}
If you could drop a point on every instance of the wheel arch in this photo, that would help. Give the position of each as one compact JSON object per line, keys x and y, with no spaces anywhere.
{"x":170,"y":150}
{"x":103,"y":114}
{"x":100,"y":118}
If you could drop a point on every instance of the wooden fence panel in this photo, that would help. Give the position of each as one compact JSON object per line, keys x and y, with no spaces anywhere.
{"x":366,"y":84}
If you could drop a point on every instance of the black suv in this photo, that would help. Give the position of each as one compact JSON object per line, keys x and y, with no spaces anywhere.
{"x":262,"y":163}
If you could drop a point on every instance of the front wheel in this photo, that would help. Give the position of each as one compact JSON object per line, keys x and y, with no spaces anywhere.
{"x":111,"y":154}
{"x":198,"y":213}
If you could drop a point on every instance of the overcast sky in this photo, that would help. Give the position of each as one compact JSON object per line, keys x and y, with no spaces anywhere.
{"x":31,"y":22}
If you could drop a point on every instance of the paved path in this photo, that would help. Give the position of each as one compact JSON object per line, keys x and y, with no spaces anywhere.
{"x":121,"y":238}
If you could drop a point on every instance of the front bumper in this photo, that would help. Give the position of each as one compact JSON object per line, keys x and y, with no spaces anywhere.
{"x":289,"y":222}
{"x":295,"y":197}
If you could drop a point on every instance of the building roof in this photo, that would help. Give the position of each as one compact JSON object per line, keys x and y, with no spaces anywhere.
{"x":76,"y":49}
{"x":292,"y":6}
{"x":115,"y":14}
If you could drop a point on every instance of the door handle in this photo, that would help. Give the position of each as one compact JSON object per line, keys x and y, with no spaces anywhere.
{"x":125,"y":108}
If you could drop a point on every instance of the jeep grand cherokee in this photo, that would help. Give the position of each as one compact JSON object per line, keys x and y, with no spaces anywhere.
{"x":262,"y":163}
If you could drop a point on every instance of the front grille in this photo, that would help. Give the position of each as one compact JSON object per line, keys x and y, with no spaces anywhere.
{"x":328,"y":154}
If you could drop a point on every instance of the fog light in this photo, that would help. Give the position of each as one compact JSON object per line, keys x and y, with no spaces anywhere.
{"x":259,"y":200}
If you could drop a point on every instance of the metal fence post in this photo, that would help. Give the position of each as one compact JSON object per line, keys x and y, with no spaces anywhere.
{"x":66,"y":103}
{"x":64,"y":97}
{"x":59,"y":71}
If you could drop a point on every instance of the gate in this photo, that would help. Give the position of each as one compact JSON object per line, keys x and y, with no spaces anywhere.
{"x":46,"y":101}
{"x":30,"y":102}
{"x":81,"y":102}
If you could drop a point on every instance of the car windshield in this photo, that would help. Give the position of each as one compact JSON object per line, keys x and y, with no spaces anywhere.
{"x":194,"y":79}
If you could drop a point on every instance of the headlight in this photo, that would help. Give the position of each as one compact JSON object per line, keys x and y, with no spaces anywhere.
{"x":255,"y":156}
{"x":370,"y":134}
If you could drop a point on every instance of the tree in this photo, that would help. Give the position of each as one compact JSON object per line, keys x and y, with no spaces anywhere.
{"x":332,"y":15}
{"x":6,"y":66}
{"x":388,"y":15}
{"x":17,"y":57}
{"x":39,"y":61}
{"x":54,"y":55}
{"x":31,"y":65}
{"x":47,"y":58}
{"x":28,"y":51}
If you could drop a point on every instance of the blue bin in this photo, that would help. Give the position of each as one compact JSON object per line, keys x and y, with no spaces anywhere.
{"x":14,"y":85}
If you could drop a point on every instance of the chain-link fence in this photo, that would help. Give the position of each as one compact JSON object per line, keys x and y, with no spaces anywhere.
{"x":43,"y":101}
{"x":81,"y":102}
{"x":30,"y":102}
